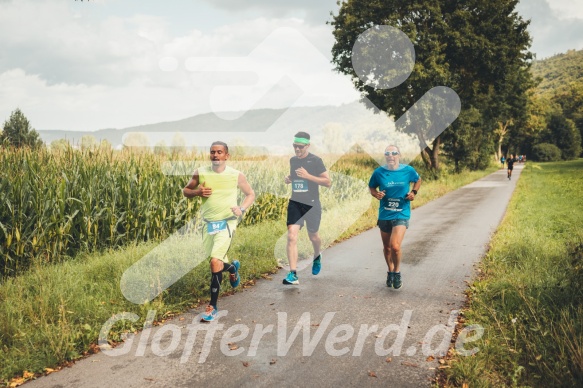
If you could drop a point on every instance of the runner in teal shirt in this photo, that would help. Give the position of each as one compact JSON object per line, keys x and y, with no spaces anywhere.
{"x":390,"y":184}
{"x":395,"y":184}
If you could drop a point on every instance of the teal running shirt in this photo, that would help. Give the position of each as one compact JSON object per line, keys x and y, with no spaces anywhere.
{"x":395,"y":184}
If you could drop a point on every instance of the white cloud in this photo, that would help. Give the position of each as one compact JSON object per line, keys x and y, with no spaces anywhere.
{"x":285,"y":59}
{"x":115,"y":73}
{"x":78,"y":107}
{"x":550,"y":31}
{"x":47,"y":38}
{"x":104,"y":64}
{"x":567,"y":9}
{"x":312,"y":11}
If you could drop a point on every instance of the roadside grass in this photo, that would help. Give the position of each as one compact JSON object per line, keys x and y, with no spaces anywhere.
{"x":52,"y":314}
{"x":529,"y":297}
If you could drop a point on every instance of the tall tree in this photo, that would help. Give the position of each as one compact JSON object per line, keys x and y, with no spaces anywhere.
{"x":510,"y":105}
{"x":18,"y":132}
{"x":412,"y":18}
{"x":562,"y":132}
{"x":571,"y":101}
{"x":487,"y":50}
{"x":475,"y":47}
{"x":468,"y":146}
{"x":527,"y":133}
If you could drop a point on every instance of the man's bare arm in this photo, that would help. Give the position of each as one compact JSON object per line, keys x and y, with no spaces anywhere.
{"x":193,"y":189}
{"x":249,"y":195}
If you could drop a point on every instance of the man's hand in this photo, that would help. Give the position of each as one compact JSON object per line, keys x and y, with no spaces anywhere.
{"x":302,"y":173}
{"x":205,"y":191}
{"x":237,"y":211}
{"x":287,"y":180}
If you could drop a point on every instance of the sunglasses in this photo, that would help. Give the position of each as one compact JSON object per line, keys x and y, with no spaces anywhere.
{"x":299,"y":146}
{"x":394,"y":153}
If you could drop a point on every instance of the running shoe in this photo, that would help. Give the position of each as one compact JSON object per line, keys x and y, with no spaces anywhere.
{"x":390,"y":279}
{"x":291,"y":278}
{"x":397,"y":282}
{"x":234,"y":278}
{"x":317,"y":265}
{"x":210,"y":314}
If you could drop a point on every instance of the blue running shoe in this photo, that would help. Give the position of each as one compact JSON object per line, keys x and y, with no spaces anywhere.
{"x":210,"y":314}
{"x":234,"y":278}
{"x":317,"y":265}
{"x":397,"y":282}
{"x":390,"y":279}
{"x":291,"y":278}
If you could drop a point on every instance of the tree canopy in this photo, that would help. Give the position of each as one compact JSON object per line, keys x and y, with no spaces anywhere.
{"x":557,"y":73}
{"x":478,"y":48}
{"x":17,"y":132}
{"x":557,"y":97}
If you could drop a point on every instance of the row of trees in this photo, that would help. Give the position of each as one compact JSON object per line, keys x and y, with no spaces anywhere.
{"x":17,"y":132}
{"x":556,"y":106}
{"x":480,"y":49}
{"x":552,"y":135}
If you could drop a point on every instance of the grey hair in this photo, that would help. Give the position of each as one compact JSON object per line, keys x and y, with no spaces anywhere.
{"x":393,"y":145}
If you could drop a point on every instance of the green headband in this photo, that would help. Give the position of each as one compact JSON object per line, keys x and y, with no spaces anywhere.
{"x":301,"y":140}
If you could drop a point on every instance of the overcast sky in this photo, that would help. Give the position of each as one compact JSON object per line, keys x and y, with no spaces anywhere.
{"x":117,"y":63}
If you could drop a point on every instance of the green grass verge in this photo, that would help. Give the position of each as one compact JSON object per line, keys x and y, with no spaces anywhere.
{"x":53,"y":313}
{"x":529,"y":298}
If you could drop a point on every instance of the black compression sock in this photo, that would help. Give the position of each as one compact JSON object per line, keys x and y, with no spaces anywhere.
{"x":229,"y":267}
{"x":216,"y":279}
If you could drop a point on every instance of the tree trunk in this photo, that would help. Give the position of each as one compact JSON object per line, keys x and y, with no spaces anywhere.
{"x":435,"y":155}
{"x":501,"y":131}
{"x":430,"y":155}
{"x":425,"y":158}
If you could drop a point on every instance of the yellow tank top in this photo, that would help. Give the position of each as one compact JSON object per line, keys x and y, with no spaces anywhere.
{"x":218,"y":205}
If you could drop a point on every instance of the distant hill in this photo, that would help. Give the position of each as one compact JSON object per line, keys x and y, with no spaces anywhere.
{"x":557,"y":74}
{"x":310,"y":119}
{"x":559,"y":71}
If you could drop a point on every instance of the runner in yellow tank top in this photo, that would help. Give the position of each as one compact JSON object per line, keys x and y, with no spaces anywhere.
{"x":217,"y":185}
{"x":224,"y":188}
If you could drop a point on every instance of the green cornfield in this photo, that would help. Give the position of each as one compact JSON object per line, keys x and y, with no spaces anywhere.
{"x":54,"y":205}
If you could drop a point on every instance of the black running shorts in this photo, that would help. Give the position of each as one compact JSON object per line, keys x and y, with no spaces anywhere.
{"x":298,"y":212}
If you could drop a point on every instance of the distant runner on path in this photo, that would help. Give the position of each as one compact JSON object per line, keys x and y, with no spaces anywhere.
{"x":390,"y":185}
{"x":510,"y":162}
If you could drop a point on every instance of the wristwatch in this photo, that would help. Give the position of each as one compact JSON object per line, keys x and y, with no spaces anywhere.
{"x":414,"y":192}
{"x":242,"y":209}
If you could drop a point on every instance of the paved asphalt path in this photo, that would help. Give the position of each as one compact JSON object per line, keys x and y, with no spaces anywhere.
{"x":362,"y":333}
